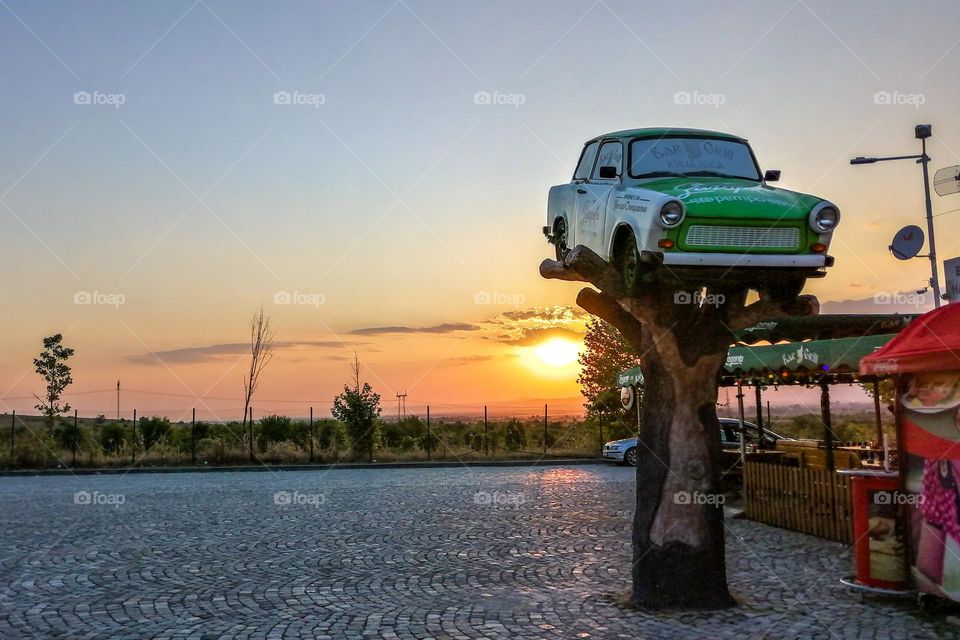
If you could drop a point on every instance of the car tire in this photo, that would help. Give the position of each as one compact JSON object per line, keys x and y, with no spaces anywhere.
{"x":630,"y":457}
{"x":626,"y":259}
{"x":560,"y":240}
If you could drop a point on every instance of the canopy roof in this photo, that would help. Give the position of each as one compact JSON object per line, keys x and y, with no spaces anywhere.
{"x":930,"y":343}
{"x":802,"y":359}
{"x":824,"y":327}
{"x":792,"y":362}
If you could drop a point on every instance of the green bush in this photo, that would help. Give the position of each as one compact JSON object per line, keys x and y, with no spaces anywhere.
{"x":515,"y":436}
{"x":113,"y":437}
{"x":330,"y":434}
{"x":152,"y":430}
{"x":274,"y":429}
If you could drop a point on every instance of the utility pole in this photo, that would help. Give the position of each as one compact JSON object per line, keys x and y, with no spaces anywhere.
{"x":401,"y":398}
{"x":118,"y":401}
{"x":921,"y":132}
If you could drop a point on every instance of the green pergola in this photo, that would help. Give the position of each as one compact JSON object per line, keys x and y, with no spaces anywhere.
{"x":810,"y":362}
{"x":803,"y":362}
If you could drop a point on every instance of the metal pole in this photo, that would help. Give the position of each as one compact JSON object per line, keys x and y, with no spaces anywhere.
{"x":758,"y":392}
{"x":429,"y":439}
{"x":544,"y":429}
{"x":827,"y":422}
{"x":934,"y":269}
{"x":193,"y":437}
{"x":13,"y":434}
{"x":636,"y":401}
{"x":133,"y":442}
{"x":486,"y":449}
{"x":311,"y":434}
{"x":876,"y":412}
{"x":743,"y":438}
{"x":73,"y":442}
{"x":118,"y":400}
{"x":250,"y":432}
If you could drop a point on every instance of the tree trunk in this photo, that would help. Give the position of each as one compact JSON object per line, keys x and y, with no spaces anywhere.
{"x":678,"y":546}
{"x":678,"y":543}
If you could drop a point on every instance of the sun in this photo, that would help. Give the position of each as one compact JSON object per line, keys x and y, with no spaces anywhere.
{"x":557,"y":352}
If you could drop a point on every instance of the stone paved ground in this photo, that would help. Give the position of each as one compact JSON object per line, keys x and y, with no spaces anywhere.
{"x":443,"y":553}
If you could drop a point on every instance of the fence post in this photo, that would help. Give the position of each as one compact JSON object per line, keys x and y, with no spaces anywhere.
{"x":311,"y":434}
{"x":544,"y":429}
{"x":486,"y":439}
{"x":13,"y":434}
{"x":73,"y":442}
{"x":193,"y":437}
{"x":429,"y":439}
{"x":250,"y":434}
{"x":133,"y":441}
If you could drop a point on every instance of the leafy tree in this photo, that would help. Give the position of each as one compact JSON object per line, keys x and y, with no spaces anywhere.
{"x":358,"y":407}
{"x":605,"y":355}
{"x":887,"y":388}
{"x":53,"y":368}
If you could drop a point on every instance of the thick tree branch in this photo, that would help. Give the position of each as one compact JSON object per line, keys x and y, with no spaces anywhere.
{"x":583,"y":265}
{"x":766,"y":309}
{"x":609,"y":309}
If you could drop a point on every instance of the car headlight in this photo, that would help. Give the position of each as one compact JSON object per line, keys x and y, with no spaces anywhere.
{"x":671,"y":214}
{"x":824,"y":218}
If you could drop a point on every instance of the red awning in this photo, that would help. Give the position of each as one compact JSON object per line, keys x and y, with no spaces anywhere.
{"x":929,"y":343}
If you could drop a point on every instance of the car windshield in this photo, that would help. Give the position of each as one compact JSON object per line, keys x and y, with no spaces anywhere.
{"x":691,"y":157}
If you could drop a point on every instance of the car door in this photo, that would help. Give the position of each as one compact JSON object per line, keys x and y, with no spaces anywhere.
{"x":580,"y":177}
{"x":594,"y":193}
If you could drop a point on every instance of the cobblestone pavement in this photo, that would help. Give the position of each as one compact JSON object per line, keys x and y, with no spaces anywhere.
{"x":442,"y":553}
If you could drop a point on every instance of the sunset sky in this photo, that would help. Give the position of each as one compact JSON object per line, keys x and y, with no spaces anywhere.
{"x":399,"y":218}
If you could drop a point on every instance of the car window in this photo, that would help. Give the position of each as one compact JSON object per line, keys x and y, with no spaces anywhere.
{"x":611,"y":155}
{"x":689,"y":156}
{"x":586,"y":161}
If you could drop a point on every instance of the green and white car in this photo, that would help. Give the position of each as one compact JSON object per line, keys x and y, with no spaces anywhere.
{"x":691,"y":203}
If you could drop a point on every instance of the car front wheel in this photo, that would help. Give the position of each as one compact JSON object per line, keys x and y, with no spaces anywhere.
{"x":560,"y":240}
{"x":627,"y":261}
{"x":630,"y":457}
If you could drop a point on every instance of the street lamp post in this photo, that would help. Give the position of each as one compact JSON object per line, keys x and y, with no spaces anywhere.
{"x":922,"y":132}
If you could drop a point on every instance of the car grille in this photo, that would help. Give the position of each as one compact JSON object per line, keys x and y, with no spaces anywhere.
{"x":743,"y":237}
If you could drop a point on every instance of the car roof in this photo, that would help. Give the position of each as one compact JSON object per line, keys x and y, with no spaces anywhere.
{"x":660,"y":132}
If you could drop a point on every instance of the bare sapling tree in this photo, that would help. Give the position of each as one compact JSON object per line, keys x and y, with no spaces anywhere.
{"x":52,"y":366}
{"x":682,"y":325}
{"x":261,"y":352}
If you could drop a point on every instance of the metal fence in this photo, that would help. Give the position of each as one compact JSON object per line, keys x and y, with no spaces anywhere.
{"x":486,"y":432}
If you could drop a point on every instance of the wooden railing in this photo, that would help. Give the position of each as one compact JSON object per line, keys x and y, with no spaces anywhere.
{"x":809,"y":500}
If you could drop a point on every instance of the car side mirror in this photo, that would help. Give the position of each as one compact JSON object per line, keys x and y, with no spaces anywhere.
{"x":771,"y":175}
{"x":608,"y":172}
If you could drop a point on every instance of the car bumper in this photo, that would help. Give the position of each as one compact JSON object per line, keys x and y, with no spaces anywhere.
{"x":691,"y":259}
{"x":613,"y":456}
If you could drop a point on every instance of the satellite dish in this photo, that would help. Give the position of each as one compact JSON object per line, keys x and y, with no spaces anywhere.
{"x":907,"y":243}
{"x":947,"y":180}
{"x":626,"y":397}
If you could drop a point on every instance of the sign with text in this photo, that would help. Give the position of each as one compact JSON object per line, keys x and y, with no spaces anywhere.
{"x":951,"y":270}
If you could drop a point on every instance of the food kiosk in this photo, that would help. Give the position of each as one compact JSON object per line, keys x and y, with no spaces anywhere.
{"x":924,"y":360}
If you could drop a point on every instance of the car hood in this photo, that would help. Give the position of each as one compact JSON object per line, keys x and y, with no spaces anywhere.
{"x":734,"y":198}
{"x":624,"y":441}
